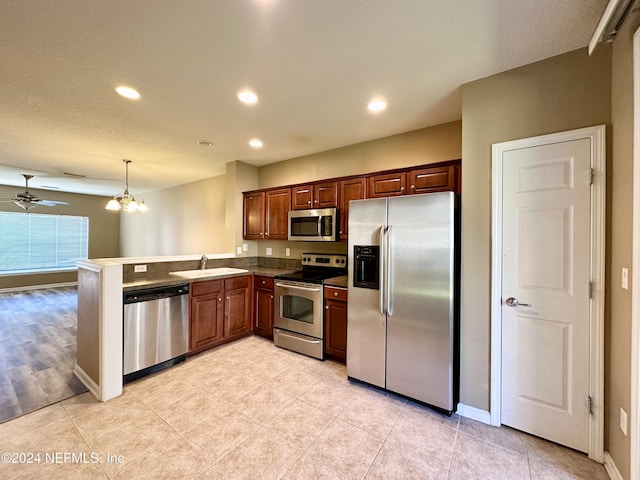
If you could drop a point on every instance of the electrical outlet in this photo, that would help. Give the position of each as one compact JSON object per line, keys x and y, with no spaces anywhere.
{"x":269,"y":251}
{"x":287,"y":252}
{"x":139,"y":268}
{"x":625,"y":278}
{"x":623,"y":420}
{"x":239,"y":250}
{"x":245,"y":247}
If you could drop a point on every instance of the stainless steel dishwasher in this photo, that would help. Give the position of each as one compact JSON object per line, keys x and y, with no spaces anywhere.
{"x":155,"y":329}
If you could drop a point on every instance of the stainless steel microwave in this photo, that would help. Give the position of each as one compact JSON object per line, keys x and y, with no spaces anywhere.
{"x":314,"y":225}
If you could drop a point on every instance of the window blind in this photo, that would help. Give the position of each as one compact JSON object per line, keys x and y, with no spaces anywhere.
{"x":31,"y":242}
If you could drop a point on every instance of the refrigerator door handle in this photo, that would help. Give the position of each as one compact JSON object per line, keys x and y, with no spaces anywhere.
{"x":388,"y":266}
{"x":381,"y":272}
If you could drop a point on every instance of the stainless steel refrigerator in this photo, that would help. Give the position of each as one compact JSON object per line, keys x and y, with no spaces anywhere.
{"x":402,"y":310}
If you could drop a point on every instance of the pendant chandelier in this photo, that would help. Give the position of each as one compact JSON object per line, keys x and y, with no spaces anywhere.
{"x":126,"y":201}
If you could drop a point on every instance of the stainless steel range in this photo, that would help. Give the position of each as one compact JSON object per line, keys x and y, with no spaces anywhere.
{"x":299,"y":312}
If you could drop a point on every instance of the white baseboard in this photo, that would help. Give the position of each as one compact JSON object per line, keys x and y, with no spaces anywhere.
{"x":474,"y":413}
{"x":611,"y":468}
{"x":87,"y":381}
{"x":38,"y":287}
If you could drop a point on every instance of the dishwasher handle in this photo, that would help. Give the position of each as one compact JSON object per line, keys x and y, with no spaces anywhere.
{"x":136,"y":296}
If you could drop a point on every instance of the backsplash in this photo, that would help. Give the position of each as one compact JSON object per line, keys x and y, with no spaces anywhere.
{"x":163,"y":268}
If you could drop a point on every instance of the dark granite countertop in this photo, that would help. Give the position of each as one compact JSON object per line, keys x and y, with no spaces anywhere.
{"x":165,"y":279}
{"x":341,"y":281}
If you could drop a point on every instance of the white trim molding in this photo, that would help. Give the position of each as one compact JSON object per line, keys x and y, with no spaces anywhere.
{"x":38,"y":287}
{"x":597,"y":136}
{"x":635,"y":270}
{"x":611,"y":468}
{"x":474,"y":413}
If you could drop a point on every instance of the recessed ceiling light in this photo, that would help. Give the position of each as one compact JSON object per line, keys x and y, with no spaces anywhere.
{"x":377,"y":105}
{"x":248,"y":97}
{"x":127,"y":92}
{"x":205,"y":143}
{"x":255,"y":143}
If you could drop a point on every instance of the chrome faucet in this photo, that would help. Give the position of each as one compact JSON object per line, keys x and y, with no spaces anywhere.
{"x":203,"y":262}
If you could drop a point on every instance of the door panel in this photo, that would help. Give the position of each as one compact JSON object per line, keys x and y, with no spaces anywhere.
{"x":546,"y":255}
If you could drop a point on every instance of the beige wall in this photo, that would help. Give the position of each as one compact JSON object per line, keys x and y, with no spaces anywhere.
{"x":560,"y":93}
{"x":424,"y":146}
{"x":104,"y":231}
{"x":182,"y":220}
{"x":620,"y":185}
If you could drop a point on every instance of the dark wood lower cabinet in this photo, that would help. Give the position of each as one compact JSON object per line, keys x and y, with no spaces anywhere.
{"x":335,"y":323}
{"x":220,"y":311}
{"x":263,"y":306}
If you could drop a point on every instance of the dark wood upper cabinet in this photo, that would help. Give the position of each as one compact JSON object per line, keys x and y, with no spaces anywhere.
{"x":277,"y":205}
{"x":434,"y":179}
{"x":351,"y":189}
{"x":387,"y":185}
{"x":266,"y":211}
{"x":302,"y":197}
{"x":253,"y":228}
{"x":316,"y":195}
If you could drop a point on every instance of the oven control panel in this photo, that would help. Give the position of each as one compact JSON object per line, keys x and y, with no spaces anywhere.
{"x":324,"y":260}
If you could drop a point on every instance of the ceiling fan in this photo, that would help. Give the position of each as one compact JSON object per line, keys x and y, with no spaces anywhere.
{"x":27,"y":200}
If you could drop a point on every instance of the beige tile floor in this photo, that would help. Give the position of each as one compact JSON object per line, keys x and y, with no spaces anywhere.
{"x":249,"y":410}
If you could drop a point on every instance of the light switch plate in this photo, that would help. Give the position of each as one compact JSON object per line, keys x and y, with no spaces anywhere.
{"x":625,"y":278}
{"x":239,"y":250}
{"x":623,"y":420}
{"x":287,"y":252}
{"x":245,"y":247}
{"x":139,"y":268}
{"x":269,"y":251}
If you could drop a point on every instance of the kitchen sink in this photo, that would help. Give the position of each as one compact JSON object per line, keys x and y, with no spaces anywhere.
{"x":209,"y":272}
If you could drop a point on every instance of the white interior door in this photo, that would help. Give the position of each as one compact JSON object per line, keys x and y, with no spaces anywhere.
{"x":546,"y":291}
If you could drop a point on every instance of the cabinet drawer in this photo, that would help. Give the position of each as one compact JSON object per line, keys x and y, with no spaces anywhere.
{"x":206,"y":287}
{"x":263,"y":282}
{"x":335,"y":293}
{"x":237,"y":282}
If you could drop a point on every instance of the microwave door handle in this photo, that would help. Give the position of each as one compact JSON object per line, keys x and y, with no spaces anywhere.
{"x":319,"y":226}
{"x":381,"y":270}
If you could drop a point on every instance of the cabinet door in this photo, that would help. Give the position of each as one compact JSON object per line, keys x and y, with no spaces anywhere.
{"x":237,"y":307}
{"x":302,"y":196}
{"x":264,"y":312}
{"x":387,"y":185}
{"x":353,"y":189}
{"x":205,"y":326}
{"x":325,"y":195}
{"x":263,"y":306}
{"x":253,"y":228}
{"x":335,"y":327}
{"x":278,"y":203}
{"x":436,"y":179}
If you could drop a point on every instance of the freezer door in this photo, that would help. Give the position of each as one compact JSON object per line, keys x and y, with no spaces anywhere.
{"x":420,"y":335}
{"x":366,"y":322}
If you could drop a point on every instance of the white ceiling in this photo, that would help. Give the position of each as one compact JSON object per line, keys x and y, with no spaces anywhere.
{"x":313,"y":63}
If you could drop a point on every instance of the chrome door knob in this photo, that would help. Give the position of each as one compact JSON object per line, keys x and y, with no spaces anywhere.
{"x":513,"y":302}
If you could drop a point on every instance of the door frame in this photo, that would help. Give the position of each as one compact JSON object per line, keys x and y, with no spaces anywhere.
{"x":635,"y":270}
{"x":596,"y":135}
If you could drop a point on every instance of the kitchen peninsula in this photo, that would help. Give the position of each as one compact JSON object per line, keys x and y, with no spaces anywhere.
{"x":101,"y":283}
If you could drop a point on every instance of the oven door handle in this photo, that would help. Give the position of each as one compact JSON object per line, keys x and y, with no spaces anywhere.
{"x":297,"y":287}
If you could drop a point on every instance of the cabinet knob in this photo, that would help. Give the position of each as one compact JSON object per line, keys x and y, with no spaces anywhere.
{"x":335,"y":294}
{"x":219,"y":299}
{"x":315,"y":201}
{"x":402,"y":189}
{"x":271,"y":297}
{"x":327,"y":307}
{"x":413,"y":188}
{"x":340,"y":232}
{"x":227,"y":298}
{"x":263,"y":282}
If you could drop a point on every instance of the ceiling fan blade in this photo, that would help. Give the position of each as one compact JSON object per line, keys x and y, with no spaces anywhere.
{"x":50,"y":203}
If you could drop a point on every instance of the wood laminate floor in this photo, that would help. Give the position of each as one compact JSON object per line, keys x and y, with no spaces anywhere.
{"x":37,"y":349}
